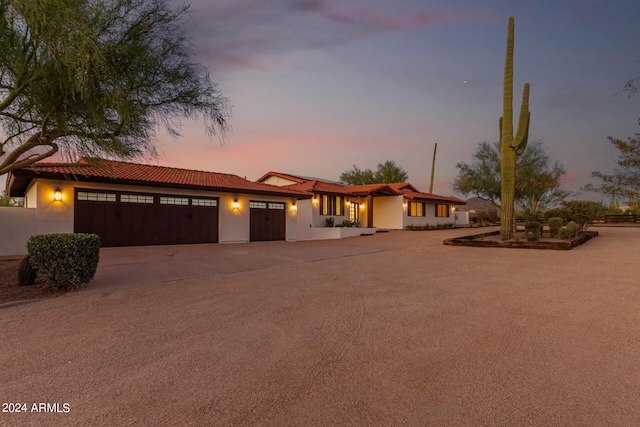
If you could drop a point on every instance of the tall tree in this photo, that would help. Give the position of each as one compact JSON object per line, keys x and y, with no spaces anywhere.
{"x":387,"y":172}
{"x":98,"y":78}
{"x":624,"y":183}
{"x":537,"y":184}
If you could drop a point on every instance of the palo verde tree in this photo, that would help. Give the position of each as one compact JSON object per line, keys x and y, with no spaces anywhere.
{"x":624,"y":183}
{"x":387,"y":172}
{"x":537,"y":183}
{"x":97,"y":78}
{"x":511,"y":146}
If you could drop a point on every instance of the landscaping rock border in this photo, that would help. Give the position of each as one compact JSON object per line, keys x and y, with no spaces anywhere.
{"x":476,"y":240}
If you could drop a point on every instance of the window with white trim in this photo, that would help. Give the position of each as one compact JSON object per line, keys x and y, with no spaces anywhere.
{"x":96,"y":197}
{"x":183,"y":201}
{"x":204,"y":202}
{"x":136,"y":198}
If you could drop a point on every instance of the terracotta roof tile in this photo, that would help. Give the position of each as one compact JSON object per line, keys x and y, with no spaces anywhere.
{"x":141,"y":174}
{"x":320,"y":187}
{"x":429,"y":196}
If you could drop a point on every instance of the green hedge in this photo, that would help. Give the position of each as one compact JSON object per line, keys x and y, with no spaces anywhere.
{"x":567,"y":232}
{"x":68,"y":260}
{"x":534,"y":227}
{"x":554,"y":225}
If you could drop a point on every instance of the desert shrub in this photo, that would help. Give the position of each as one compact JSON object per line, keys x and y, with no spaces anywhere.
{"x":328,"y":222}
{"x":68,"y":260}
{"x":534,"y":227}
{"x":555,"y":224}
{"x":584,"y":212}
{"x":557,"y":213}
{"x":574,"y":225}
{"x":346,"y":223}
{"x":567,"y":232}
{"x":357,"y":223}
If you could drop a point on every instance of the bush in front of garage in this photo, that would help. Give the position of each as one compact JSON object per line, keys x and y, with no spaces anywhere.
{"x":68,"y":260}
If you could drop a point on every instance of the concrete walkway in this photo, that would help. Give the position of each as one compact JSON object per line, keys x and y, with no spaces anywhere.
{"x":394,"y":329}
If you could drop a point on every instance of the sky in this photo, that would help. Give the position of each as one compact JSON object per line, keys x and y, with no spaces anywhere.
{"x":318,"y":86}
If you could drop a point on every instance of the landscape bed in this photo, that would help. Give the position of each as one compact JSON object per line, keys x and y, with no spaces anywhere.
{"x":487,"y":240}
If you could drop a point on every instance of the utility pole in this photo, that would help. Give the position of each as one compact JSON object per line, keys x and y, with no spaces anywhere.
{"x":433,"y":168}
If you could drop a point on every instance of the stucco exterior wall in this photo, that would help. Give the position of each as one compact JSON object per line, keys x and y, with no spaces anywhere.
{"x":234,"y":224}
{"x":429,"y":218}
{"x":276,"y":180}
{"x":388,"y":212}
{"x":16,"y":226}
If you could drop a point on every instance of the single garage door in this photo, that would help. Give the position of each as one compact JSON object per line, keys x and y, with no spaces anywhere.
{"x":268,"y":221}
{"x":138,"y":219}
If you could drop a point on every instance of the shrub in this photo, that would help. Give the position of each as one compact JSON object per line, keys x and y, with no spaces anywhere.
{"x":26,"y":273}
{"x":567,"y":232}
{"x":534,"y":227}
{"x":357,"y":223}
{"x":557,"y":213}
{"x":554,"y":225}
{"x":584,"y":212}
{"x":345,"y":223}
{"x":574,"y":225}
{"x":328,"y":222}
{"x":68,"y":260}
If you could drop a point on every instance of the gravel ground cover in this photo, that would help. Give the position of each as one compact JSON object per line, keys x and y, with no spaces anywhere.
{"x":403,"y":331}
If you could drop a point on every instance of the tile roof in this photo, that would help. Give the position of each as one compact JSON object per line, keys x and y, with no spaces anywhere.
{"x":320,"y":187}
{"x":107,"y":170}
{"x":416,"y":195}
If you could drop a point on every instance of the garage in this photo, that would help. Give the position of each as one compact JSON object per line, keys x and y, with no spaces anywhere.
{"x":268,"y":221}
{"x":137,"y":219}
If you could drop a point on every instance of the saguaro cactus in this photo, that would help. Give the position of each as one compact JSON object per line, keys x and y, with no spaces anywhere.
{"x":510,"y":147}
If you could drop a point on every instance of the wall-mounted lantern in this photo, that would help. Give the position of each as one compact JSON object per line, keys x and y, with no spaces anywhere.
{"x":294,"y":206}
{"x":315,"y":200}
{"x":57,"y":194}
{"x":405,"y":204}
{"x":235,"y":204}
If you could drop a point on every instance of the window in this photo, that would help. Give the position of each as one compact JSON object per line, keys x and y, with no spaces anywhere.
{"x":204,"y":202}
{"x":135,"y":198}
{"x":164,"y":200}
{"x":258,"y":205}
{"x":442,"y":210}
{"x":331,"y":205}
{"x":96,"y":197}
{"x":416,"y":209}
{"x":273,"y":205}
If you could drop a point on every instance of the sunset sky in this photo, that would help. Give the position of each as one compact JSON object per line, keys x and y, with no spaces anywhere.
{"x":317,"y":86}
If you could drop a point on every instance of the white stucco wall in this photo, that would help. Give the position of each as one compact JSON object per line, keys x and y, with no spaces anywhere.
{"x":276,"y":180}
{"x":57,"y":216}
{"x":388,"y":212}
{"x":16,"y":226}
{"x":429,"y":218}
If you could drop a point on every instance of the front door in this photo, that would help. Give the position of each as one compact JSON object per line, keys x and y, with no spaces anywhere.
{"x":354,"y":211}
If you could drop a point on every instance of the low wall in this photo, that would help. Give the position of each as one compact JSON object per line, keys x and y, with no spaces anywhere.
{"x":16,"y":226}
{"x":327,"y":233}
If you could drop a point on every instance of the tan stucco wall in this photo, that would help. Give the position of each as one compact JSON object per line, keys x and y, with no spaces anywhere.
{"x":276,"y":180}
{"x":388,"y":212}
{"x":430,"y":217}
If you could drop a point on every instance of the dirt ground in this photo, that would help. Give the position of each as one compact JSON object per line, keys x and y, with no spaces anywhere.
{"x":9,"y":289}
{"x":413,"y":333}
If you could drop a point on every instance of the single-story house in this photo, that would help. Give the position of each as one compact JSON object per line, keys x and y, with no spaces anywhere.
{"x":376,"y":206}
{"x":129,"y":204}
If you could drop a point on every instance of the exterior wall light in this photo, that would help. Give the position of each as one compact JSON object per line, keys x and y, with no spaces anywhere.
{"x":361,"y":206}
{"x":405,"y":204}
{"x":235,"y":204}
{"x":294,"y":207}
{"x":315,"y":200}
{"x":57,"y":194}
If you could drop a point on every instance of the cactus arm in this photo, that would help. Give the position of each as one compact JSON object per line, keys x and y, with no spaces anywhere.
{"x":520,"y":141}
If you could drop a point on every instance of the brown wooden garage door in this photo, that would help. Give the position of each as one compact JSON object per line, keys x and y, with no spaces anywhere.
{"x":138,"y":219}
{"x":268,"y":221}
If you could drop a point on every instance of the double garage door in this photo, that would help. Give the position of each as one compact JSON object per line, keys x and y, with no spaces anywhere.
{"x":137,"y":219}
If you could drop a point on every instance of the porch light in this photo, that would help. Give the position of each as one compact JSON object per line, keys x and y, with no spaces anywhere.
{"x":235,"y":204}
{"x":405,"y":204}
{"x":453,"y":208}
{"x":361,"y":206}
{"x":315,"y":200}
{"x":57,"y":194}
{"x":294,"y":207}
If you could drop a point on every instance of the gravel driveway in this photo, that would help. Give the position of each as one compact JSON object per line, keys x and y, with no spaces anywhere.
{"x":392,"y":329}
